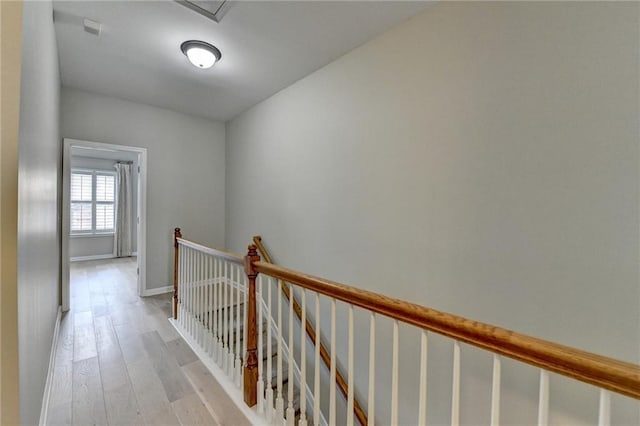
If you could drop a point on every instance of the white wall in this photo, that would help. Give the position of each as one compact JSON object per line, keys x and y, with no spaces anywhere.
{"x":38,"y":202}
{"x":81,"y":246}
{"x":481,"y":159}
{"x":186,"y":168}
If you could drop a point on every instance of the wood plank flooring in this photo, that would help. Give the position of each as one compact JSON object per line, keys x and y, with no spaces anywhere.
{"x":120,"y":362}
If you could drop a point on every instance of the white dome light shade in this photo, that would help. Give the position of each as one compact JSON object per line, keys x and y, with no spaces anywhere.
{"x":200,"y":57}
{"x":200,"y":54}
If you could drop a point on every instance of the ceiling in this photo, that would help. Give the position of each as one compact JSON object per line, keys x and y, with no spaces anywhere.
{"x":266,"y":46}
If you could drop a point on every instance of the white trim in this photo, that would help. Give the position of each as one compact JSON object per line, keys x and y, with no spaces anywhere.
{"x":134,"y":254}
{"x":227,"y":384}
{"x":142,"y":210}
{"x":159,"y":290}
{"x":44,"y":410}
{"x":94,"y":257}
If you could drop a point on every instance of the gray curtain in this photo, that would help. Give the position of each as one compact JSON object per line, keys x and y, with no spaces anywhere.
{"x":122,"y":237}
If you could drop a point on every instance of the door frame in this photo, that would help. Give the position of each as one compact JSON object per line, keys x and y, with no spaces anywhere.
{"x":69,"y":143}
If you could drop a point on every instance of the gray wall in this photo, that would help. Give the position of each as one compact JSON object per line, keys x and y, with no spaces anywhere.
{"x":185,"y":174}
{"x":38,"y":202}
{"x":102,"y":245}
{"x":481,"y":159}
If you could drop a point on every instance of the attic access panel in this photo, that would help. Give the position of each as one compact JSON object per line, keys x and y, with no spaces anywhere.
{"x":212,"y":9}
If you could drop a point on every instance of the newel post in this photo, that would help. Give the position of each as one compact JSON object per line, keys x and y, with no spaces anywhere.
{"x":176,"y":234}
{"x":251,"y":361}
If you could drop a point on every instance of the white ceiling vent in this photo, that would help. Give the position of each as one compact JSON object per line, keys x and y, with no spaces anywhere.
{"x":92,"y":27}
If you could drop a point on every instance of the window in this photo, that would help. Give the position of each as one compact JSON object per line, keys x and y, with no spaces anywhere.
{"x":92,"y":202}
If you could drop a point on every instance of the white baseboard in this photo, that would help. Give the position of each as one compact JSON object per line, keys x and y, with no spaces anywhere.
{"x":159,"y":290}
{"x":94,"y":257}
{"x":52,"y":361}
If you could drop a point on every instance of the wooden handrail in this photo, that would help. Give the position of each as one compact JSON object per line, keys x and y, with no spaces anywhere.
{"x":608,"y":373}
{"x":324,"y":354}
{"x":226,"y":255}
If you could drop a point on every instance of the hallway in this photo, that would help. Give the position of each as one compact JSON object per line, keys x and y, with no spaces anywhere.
{"x":120,"y":362}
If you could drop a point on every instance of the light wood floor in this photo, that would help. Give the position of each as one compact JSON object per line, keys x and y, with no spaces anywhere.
{"x":120,"y":362}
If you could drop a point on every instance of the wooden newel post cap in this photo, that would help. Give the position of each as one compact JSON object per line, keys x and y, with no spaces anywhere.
{"x":252,"y":256}
{"x":176,"y":234}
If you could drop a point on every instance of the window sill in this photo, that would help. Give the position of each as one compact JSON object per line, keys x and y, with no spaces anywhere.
{"x":93,"y":235}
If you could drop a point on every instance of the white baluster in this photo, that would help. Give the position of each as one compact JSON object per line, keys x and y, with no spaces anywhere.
{"x":230,"y":346}
{"x":191,"y":318}
{"x":212,"y":318}
{"x":455,"y":393}
{"x":350,"y":380}
{"x":238,"y":363}
{"x":495,"y":392}
{"x":221,"y":291}
{"x":222,"y":284}
{"x":543,"y":400}
{"x":269,"y":377}
{"x":422,"y":414}
{"x":192,"y":286}
{"x":187,"y":295}
{"x":316,"y":376}
{"x":185,"y":289}
{"x":181,"y":254}
{"x":290,"y":411}
{"x":234,"y":323}
{"x":203,"y":301}
{"x":372,"y":369}
{"x":199,"y":299}
{"x":214,"y":311}
{"x":227,"y":318}
{"x":279,"y":398}
{"x":229,"y":366}
{"x":332,"y":379}
{"x":194,"y":279}
{"x":303,"y":360}
{"x":260,"y":350}
{"x":394,"y":376}
{"x":196,"y":301}
{"x":205,"y":304}
{"x":604,"y":413}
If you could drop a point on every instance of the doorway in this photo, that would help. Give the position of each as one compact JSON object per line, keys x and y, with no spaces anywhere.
{"x":95,"y":158}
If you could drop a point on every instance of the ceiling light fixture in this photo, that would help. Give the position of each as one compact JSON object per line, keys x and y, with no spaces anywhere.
{"x":201,"y":54}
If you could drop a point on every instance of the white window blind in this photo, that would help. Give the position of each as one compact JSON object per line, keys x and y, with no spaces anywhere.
{"x":92,"y":202}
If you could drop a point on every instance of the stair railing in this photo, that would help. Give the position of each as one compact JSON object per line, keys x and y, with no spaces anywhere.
{"x":209,"y":305}
{"x":205,"y":307}
{"x":608,"y":374}
{"x":220,"y":310}
{"x":315,"y":339}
